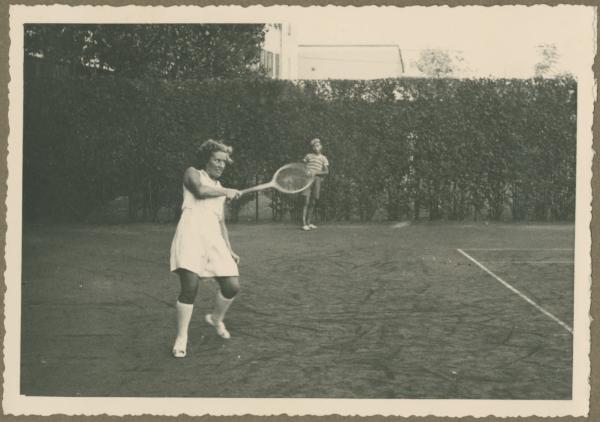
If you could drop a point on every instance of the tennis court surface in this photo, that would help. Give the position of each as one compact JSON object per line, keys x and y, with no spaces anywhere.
{"x":425,"y":311}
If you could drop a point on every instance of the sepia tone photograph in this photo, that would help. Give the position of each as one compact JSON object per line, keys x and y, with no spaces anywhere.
{"x":332,"y":204}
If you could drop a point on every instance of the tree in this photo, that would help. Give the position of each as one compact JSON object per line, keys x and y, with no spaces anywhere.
{"x":549,"y":56}
{"x":438,"y":63}
{"x":206,"y":51}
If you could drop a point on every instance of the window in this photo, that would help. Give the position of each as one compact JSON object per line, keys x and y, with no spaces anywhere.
{"x":266,"y":62}
{"x":270,"y":63}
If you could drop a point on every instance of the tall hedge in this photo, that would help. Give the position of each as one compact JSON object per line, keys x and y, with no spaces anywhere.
{"x":399,"y":148}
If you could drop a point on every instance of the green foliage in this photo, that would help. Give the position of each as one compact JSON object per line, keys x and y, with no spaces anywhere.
{"x":170,"y":51}
{"x":549,"y":56}
{"x":438,"y":63}
{"x":401,"y":148}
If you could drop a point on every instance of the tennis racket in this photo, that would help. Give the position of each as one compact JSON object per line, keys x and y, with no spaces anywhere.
{"x":291,"y":178}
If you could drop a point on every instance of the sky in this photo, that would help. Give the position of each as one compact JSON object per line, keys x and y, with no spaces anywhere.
{"x":495,"y":41}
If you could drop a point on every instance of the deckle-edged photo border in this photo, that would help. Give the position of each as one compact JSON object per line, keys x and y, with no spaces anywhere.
{"x":14,"y":403}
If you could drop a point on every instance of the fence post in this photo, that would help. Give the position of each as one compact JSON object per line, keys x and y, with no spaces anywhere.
{"x":256,"y":200}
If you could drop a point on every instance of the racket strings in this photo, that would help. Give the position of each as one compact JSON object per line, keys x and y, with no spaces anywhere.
{"x":293,"y":179}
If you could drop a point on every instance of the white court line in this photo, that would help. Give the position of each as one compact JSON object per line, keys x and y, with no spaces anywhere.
{"x":532,"y":262}
{"x":512,"y":289}
{"x":518,"y":249}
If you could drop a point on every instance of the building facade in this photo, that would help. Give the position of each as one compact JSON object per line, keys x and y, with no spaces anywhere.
{"x":279,"y":57}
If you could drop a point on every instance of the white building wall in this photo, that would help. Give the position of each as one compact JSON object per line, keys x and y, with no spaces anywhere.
{"x":279,"y":56}
{"x":349,"y":61}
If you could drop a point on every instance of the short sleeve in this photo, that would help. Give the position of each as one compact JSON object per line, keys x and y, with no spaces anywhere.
{"x":306,"y":158}
{"x":204,"y":178}
{"x":325,"y":161}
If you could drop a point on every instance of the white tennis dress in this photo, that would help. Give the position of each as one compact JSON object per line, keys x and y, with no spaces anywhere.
{"x":198,"y":244}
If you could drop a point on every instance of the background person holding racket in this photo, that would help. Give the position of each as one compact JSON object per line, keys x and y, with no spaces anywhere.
{"x":200,"y":249}
{"x":318,"y":165}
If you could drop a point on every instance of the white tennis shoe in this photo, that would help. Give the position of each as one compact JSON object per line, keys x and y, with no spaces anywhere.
{"x":180,"y":347}
{"x":312,"y":226}
{"x":306,"y":228}
{"x":220,"y":326}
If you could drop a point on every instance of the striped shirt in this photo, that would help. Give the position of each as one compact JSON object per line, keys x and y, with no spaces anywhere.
{"x":316,"y":163}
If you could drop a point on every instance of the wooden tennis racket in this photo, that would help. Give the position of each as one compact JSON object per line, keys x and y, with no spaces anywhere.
{"x":291,"y":178}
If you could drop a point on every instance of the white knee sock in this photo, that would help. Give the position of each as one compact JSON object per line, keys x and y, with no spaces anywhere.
{"x":184,"y":315}
{"x":221,"y":306}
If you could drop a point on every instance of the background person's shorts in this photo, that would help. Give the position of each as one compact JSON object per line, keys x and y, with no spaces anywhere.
{"x":313,"y":190}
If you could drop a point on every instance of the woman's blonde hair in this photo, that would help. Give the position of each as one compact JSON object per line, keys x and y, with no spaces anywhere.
{"x":211,"y":146}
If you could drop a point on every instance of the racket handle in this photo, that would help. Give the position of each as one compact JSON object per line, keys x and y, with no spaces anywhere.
{"x":257,"y":188}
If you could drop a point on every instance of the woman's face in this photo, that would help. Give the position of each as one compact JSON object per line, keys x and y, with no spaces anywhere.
{"x":216,"y":164}
{"x":317,"y":147}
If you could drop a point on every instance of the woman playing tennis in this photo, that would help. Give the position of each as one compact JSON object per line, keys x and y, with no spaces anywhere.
{"x":200,"y":249}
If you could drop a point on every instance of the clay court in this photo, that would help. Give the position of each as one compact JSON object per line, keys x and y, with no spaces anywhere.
{"x":346,"y":311}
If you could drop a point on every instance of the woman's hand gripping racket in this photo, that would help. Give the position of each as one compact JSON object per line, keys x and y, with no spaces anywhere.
{"x":291,"y":178}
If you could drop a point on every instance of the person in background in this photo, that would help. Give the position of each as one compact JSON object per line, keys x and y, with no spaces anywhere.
{"x":318,"y":165}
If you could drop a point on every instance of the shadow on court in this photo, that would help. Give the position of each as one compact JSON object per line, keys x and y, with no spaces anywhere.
{"x":345,"y":311}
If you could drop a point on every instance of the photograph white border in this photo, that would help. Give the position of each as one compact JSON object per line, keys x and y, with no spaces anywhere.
{"x":16,"y":404}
